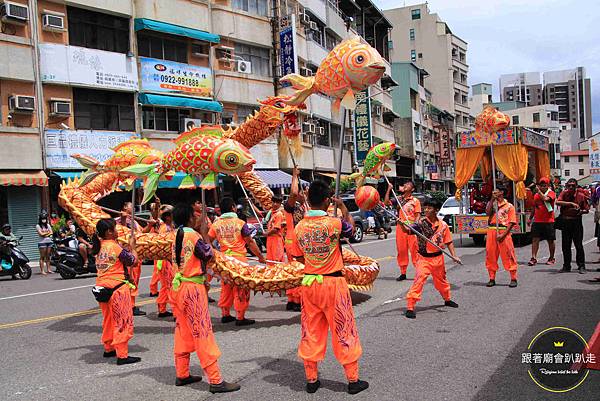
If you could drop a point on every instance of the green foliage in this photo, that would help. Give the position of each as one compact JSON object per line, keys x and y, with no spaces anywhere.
{"x":438,"y":195}
{"x":345,"y":185}
{"x":61,"y":223}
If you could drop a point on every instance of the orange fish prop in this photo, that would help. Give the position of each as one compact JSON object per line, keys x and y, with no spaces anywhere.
{"x":491,"y":120}
{"x":127,"y":153}
{"x":350,"y":67}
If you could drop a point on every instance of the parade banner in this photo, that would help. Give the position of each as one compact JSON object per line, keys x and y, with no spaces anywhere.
{"x":62,"y":144}
{"x":88,"y":67}
{"x":534,"y":139}
{"x":478,"y":224}
{"x":288,"y":54}
{"x":473,"y":139}
{"x":178,"y":78}
{"x":594,"y":149}
{"x":363,"y":140}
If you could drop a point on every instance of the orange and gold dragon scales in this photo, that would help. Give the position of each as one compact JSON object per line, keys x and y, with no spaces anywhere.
{"x":79,"y":197}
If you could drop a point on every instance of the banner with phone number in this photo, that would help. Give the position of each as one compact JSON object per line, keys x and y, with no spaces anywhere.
{"x":172,"y":77}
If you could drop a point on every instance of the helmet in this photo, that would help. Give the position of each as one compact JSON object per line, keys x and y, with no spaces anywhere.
{"x":5,"y":226}
{"x":43,"y":213}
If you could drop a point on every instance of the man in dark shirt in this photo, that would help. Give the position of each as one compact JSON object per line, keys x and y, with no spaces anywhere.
{"x":573,"y":204}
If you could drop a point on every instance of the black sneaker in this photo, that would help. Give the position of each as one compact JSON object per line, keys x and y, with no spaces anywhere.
{"x":582,"y":270}
{"x":188,"y":380}
{"x":290,"y":306}
{"x":401,"y":277}
{"x":297,"y":307}
{"x":491,"y":283}
{"x":153,"y":294}
{"x":357,"y":386}
{"x":451,"y":303}
{"x":410,"y":314}
{"x":565,"y":270}
{"x":109,"y":354}
{"x":165,"y":314}
{"x":227,"y":319}
{"x":312,"y":387}
{"x":128,"y":360}
{"x":244,"y":322}
{"x":223,"y":387}
{"x":138,"y":312}
{"x":211,"y":300}
{"x":513,"y":283}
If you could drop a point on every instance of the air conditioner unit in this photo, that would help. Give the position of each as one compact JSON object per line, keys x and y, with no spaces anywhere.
{"x":377,"y":110}
{"x":308,"y":128}
{"x":244,"y":66}
{"x":53,"y":22}
{"x":200,"y":50}
{"x":320,"y":130}
{"x":304,"y":19}
{"x":60,"y":108}
{"x":348,"y":138}
{"x":306,"y":72}
{"x":14,"y":13}
{"x":21,"y":104}
{"x":313,"y":26}
{"x":191,"y":123}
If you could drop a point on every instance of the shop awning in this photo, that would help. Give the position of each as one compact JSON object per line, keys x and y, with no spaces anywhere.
{"x":277,"y":178}
{"x":173,"y":183}
{"x":30,"y":178}
{"x":180,"y":101}
{"x":68,"y":175}
{"x":144,"y":23}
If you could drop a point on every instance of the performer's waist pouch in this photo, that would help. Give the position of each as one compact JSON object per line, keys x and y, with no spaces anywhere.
{"x":103,"y":294}
{"x":309,"y":279}
{"x":430,"y":254}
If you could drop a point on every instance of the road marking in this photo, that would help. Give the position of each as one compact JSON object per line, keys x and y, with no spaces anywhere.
{"x":59,"y":290}
{"x":73,"y":314}
{"x":392,"y":300}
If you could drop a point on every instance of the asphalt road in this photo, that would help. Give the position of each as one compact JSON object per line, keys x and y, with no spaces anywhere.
{"x":50,"y":339}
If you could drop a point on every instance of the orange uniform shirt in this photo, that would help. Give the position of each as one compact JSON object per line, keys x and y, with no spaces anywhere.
{"x":438,"y":232}
{"x":276,"y":221}
{"x":412,"y":208}
{"x":318,"y":240}
{"x":193,"y":252}
{"x":506,"y":214}
{"x":111,"y":262}
{"x":230,"y":231}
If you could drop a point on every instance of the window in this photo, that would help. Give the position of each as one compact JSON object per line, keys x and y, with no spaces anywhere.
{"x":411,"y":34}
{"x":515,"y":120}
{"x":580,"y":159}
{"x":420,"y":55}
{"x":580,"y":172}
{"x":162,"y":48}
{"x":103,"y":110}
{"x":256,"y":7}
{"x":536,"y":117}
{"x":557,"y":148}
{"x":324,"y":139}
{"x":98,"y":31}
{"x":243,"y":112}
{"x":226,"y":117}
{"x":163,"y":118}
{"x":567,"y":173}
{"x":415,"y":14}
{"x":336,"y":132}
{"x":413,"y":55}
{"x":330,"y":41}
{"x":566,"y":159}
{"x":258,"y":56}
{"x":558,"y":164}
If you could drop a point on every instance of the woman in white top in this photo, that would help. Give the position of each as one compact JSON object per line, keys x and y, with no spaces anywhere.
{"x":44,"y":230}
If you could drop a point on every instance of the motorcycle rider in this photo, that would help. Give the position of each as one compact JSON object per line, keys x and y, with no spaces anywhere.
{"x":84,"y":245}
{"x":7,"y":235}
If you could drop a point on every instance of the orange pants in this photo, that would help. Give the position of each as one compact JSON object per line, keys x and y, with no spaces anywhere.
{"x":275,"y":250}
{"x":428,"y":267}
{"x":232,"y":295}
{"x":155,"y":279}
{"x":328,"y":307}
{"x":404,"y":244}
{"x":135,"y":272}
{"x":295,"y":294}
{"x":117,"y":321}
{"x":193,"y":332}
{"x":165,"y":275}
{"x":504,"y":249}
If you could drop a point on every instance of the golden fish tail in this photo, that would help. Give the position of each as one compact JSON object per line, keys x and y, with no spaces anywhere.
{"x":305,"y":87}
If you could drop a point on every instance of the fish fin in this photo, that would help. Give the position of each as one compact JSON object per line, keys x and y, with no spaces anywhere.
{"x":386,"y":168}
{"x":358,"y":178}
{"x":150,"y":187}
{"x":88,"y":177}
{"x":298,"y":81}
{"x":349,"y":100}
{"x":209,"y":181}
{"x":134,"y":141}
{"x":87,"y":161}
{"x":335,"y":111}
{"x":187,"y":183}
{"x":139,"y":170}
{"x":206,"y":130}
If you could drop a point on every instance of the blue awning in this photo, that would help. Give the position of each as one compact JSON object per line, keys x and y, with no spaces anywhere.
{"x":173,"y":183}
{"x":180,"y":101}
{"x":277,"y":178}
{"x":144,"y":23}
{"x":66,"y":175}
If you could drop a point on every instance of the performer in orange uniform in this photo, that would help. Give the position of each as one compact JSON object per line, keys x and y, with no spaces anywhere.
{"x":499,"y":241}
{"x":193,"y":330}
{"x":155,"y":279}
{"x":164,"y":267}
{"x":326,"y":302}
{"x":233,"y":236}
{"x":293,"y":211}
{"x":198,"y":206}
{"x":112,"y":263}
{"x":409,"y":212}
{"x":275,"y":223}
{"x":430,"y":260}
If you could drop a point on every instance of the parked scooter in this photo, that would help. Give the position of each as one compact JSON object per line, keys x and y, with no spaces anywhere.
{"x":68,"y":261}
{"x":13,"y":261}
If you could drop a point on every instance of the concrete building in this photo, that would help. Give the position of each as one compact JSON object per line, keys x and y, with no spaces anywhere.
{"x":523,"y":87}
{"x":571,"y":91}
{"x":575,"y":164}
{"x":482,"y":95}
{"x":425,"y":39}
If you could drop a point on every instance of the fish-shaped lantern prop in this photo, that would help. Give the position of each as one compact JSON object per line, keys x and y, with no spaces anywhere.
{"x":350,"y":67}
{"x":491,"y":120}
{"x":375,"y":162}
{"x":127,"y":153}
{"x":201,"y":152}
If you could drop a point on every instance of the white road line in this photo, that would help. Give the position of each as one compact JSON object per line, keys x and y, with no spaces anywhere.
{"x":52,"y":291}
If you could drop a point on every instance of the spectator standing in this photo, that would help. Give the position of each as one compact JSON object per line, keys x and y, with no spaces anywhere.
{"x":44,"y":230}
{"x":542,"y":216}
{"x":573,"y":204}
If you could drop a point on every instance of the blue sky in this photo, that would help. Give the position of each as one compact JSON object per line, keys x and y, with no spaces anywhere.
{"x":507,"y":36}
